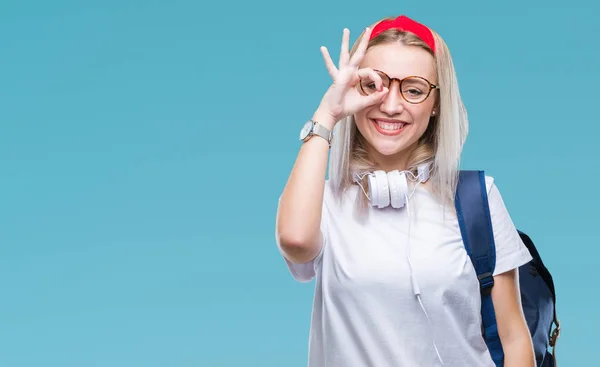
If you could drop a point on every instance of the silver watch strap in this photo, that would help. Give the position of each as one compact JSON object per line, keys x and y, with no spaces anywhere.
{"x":323,"y":132}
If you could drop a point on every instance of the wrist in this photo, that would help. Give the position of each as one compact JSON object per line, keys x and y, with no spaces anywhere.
{"x":324,"y":118}
{"x":314,"y":127}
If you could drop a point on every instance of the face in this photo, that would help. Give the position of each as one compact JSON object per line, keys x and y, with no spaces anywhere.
{"x":393,"y":127}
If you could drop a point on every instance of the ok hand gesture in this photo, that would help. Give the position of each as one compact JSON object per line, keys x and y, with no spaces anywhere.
{"x":343,"y":98}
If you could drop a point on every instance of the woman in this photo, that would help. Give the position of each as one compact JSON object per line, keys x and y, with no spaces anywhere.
{"x":394,"y":284}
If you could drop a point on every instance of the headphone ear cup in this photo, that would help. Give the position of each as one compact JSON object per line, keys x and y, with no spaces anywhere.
{"x":398,"y":188}
{"x":379,"y":189}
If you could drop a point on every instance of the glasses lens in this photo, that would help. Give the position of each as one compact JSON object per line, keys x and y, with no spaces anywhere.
{"x":369,"y":86}
{"x":415,"y":89}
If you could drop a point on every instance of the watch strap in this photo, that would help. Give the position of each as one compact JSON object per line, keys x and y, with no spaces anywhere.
{"x":322,"y":131}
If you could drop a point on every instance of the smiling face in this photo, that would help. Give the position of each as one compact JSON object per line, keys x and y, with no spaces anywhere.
{"x":393,"y":127}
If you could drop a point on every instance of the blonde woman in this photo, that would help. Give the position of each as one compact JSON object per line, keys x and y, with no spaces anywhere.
{"x":394,"y":284}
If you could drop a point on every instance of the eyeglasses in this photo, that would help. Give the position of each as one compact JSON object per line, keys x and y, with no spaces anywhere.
{"x":414,"y":89}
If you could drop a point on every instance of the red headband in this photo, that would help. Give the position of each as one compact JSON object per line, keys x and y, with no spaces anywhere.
{"x":404,"y":23}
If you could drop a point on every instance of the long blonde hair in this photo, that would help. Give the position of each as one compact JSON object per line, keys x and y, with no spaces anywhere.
{"x":441,"y":143}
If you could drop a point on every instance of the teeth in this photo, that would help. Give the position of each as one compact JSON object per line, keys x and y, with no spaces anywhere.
{"x":390,"y":125}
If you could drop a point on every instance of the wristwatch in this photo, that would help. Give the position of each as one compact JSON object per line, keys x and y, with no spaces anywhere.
{"x":311,"y":128}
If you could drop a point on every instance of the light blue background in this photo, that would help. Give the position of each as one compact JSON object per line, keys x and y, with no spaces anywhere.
{"x":144,"y":144}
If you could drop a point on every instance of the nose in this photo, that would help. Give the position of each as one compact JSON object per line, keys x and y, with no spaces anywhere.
{"x":393,"y":103}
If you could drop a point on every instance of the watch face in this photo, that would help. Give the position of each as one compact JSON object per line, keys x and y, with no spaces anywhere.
{"x":306,"y":130}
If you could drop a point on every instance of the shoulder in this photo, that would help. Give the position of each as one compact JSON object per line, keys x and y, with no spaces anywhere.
{"x":342,"y":205}
{"x":339,"y":196}
{"x":489,"y":183}
{"x":495,"y":201}
{"x":493,"y":193}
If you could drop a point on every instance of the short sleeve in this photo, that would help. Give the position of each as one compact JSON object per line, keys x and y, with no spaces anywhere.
{"x":511,"y":252}
{"x":307,"y":271}
{"x":304,"y":272}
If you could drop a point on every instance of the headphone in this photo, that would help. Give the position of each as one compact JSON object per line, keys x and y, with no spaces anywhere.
{"x":391,"y":187}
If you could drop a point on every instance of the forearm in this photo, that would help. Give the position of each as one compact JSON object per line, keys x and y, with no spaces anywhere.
{"x":301,"y":204}
{"x":518,"y":352}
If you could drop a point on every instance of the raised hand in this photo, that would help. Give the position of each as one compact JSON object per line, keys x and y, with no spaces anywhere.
{"x":343,"y":98}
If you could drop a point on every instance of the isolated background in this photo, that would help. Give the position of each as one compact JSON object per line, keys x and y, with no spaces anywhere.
{"x":144,"y":144}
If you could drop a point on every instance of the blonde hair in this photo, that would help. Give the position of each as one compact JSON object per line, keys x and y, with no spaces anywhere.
{"x":441,"y":143}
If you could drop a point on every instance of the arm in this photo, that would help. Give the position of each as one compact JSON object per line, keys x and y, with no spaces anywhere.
{"x":512,"y":328}
{"x":299,"y":212}
{"x":300,"y":208}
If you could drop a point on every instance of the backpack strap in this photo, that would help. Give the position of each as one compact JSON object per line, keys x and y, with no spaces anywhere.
{"x":476,"y":228}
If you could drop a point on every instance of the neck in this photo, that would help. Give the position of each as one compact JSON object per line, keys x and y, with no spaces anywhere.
{"x":398,"y":161}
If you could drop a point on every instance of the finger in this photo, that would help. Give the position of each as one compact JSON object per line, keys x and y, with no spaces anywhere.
{"x":362,"y":48}
{"x":344,"y":51}
{"x":375,"y":98}
{"x":331,"y":69}
{"x":370,"y":73}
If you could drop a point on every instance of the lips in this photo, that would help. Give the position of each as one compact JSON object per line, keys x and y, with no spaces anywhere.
{"x":389,"y":127}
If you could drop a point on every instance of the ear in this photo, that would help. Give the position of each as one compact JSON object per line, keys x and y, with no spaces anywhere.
{"x":435,"y":111}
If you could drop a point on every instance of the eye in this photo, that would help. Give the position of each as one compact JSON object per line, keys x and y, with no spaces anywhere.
{"x":368,"y":86}
{"x":413,"y":92}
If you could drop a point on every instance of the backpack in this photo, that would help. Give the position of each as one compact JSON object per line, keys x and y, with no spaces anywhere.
{"x":538,"y":297}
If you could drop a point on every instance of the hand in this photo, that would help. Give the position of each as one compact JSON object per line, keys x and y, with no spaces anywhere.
{"x":343,"y":98}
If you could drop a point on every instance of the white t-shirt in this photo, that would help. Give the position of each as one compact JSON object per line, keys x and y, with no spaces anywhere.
{"x":365,"y":312}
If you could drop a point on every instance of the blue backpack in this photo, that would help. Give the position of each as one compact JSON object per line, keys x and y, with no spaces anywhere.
{"x":538,"y":297}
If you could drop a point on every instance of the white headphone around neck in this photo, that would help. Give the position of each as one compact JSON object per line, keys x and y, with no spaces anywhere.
{"x":391,"y":187}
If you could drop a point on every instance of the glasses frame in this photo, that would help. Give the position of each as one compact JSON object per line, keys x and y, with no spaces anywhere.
{"x":431,"y":85}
